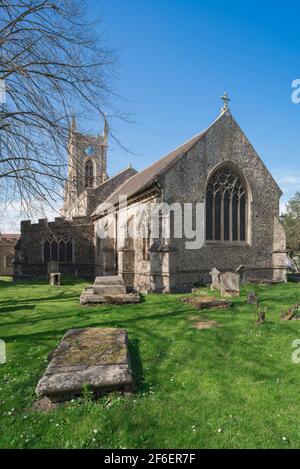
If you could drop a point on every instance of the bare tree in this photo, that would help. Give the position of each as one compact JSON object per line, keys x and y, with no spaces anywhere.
{"x":52,"y":64}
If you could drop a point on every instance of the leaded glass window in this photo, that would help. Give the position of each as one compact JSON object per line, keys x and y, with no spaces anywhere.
{"x":89,"y":174}
{"x":226,"y":206}
{"x":58,"y":248}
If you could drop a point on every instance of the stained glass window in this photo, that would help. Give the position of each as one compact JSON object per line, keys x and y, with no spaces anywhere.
{"x":226,"y":206}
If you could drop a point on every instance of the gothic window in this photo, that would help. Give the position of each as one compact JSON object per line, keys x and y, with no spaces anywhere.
{"x":9,"y":261}
{"x":69,"y":252}
{"x":89,"y":174}
{"x":146,"y":237}
{"x":58,"y":248}
{"x":226,"y":207}
{"x":47,"y":251}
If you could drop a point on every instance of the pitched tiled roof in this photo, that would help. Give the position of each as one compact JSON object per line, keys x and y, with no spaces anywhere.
{"x":9,"y":237}
{"x":108,"y":181}
{"x":146,"y":178}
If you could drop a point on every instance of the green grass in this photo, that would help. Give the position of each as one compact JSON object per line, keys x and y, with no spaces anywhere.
{"x":230,"y":387}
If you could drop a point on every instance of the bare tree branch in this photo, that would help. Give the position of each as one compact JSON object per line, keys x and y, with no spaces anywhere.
{"x":53,"y":64}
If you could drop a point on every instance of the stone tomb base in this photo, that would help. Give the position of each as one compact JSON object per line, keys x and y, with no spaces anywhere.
{"x":108,"y":290}
{"x":206,"y":302}
{"x":93,"y":357}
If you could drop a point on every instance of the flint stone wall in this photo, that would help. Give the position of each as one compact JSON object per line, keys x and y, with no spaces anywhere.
{"x":171,"y":266}
{"x":7,"y":254}
{"x":29,"y":260}
{"x":263,"y":255}
{"x":89,"y":199}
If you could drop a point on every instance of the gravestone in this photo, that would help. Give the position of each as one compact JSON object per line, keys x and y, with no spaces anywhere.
{"x":96,"y":358}
{"x":215,"y":278}
{"x":55,"y":279}
{"x":291,"y":313}
{"x":252,"y":298}
{"x":206,"y":302}
{"x":109,"y":289}
{"x":242,"y":272}
{"x":109,"y":285}
{"x":207,"y":324}
{"x":230,"y":284}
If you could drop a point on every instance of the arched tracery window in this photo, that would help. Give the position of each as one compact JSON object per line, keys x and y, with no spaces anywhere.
{"x":89,"y":174}
{"x":145,"y":233}
{"x":146,"y":243}
{"x":9,"y":258}
{"x":226,"y":206}
{"x":58,"y":248}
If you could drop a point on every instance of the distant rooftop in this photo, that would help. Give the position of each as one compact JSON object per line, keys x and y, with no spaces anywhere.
{"x":9,"y":237}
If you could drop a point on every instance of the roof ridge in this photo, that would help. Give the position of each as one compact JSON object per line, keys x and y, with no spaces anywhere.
{"x":148,"y":175}
{"x":114,"y":175}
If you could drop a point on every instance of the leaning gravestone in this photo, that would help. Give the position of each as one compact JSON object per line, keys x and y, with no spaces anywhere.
{"x":93,"y":357}
{"x":242,"y":272}
{"x":252,"y":298}
{"x":215,"y":279}
{"x":230,"y":284}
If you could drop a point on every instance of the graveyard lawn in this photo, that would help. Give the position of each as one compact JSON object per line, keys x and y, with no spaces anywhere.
{"x":231,"y":386}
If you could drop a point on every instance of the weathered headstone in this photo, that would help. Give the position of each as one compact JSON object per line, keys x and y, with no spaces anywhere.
{"x":96,"y":358}
{"x":230,"y":284}
{"x":242,"y":272}
{"x":261,"y":317}
{"x":252,"y":298}
{"x":291,"y":313}
{"x":215,"y":279}
{"x":55,"y":279}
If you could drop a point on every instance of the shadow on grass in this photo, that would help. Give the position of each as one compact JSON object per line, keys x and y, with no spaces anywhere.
{"x":137,"y":366}
{"x":61,"y":296}
{"x":67,"y":281}
{"x":16,"y":308}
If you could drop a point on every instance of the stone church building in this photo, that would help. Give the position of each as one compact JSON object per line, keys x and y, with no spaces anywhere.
{"x":233,"y":203}
{"x":7,"y":253}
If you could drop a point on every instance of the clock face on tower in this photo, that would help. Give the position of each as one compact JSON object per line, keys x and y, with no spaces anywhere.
{"x":90,"y":151}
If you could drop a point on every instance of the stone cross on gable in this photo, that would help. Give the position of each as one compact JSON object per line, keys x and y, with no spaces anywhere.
{"x":225,"y":98}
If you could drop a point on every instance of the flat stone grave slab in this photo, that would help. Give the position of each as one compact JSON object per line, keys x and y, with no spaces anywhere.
{"x":93,"y":357}
{"x":202,"y":325}
{"x":204,"y":302}
{"x":215,"y":279}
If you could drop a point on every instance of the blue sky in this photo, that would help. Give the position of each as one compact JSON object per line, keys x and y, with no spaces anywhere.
{"x":176,"y":59}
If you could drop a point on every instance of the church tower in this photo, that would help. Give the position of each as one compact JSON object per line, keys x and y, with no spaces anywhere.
{"x":87,"y":162}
